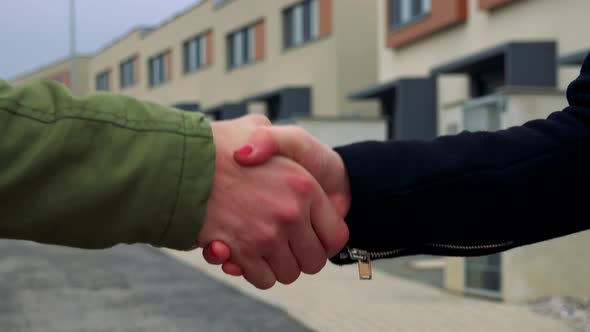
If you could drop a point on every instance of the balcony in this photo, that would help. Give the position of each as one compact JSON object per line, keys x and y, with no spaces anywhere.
{"x":509,"y":106}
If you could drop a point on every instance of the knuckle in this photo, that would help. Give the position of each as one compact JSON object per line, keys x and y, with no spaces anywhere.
{"x":268,"y":236}
{"x":259,"y":119}
{"x":306,"y":138}
{"x":302,"y":184}
{"x":261,"y":130}
{"x":264,"y":133}
{"x":294,"y":128}
{"x":289,"y":214}
{"x":339,"y":240}
{"x":344,"y":236}
{"x":315,"y":266}
{"x":299,"y":131}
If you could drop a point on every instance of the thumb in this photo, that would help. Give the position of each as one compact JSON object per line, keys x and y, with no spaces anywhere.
{"x":216,"y":253}
{"x":288,"y":141}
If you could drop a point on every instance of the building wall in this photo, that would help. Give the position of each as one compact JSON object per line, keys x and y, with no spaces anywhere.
{"x":556,"y":267}
{"x":355,"y":53}
{"x":526,"y":105}
{"x":545,"y":269}
{"x":520,"y":20}
{"x":110,"y":59}
{"x":548,"y":268}
{"x":522,"y":105}
{"x":531,"y":272}
{"x":454,"y":274}
{"x":60,"y":71}
{"x":328,"y":65}
{"x":341,"y":132}
{"x":567,"y":74}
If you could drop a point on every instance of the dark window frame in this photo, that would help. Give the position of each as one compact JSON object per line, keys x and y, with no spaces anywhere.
{"x":307,"y":24}
{"x":248,"y":46}
{"x":103,"y":80}
{"x":160,"y":60}
{"x":200,"y":60}
{"x":417,"y":12}
{"x":129,"y":63}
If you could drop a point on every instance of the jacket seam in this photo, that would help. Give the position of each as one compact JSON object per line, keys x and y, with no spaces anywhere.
{"x":114,"y":123}
{"x":178,"y":190}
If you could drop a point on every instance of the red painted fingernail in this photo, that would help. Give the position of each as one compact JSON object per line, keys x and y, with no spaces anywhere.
{"x":213,"y":253}
{"x":245,"y":151}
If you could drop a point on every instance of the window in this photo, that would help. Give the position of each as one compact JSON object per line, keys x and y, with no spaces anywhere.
{"x":127,"y":73}
{"x":220,"y":3}
{"x":483,"y":275}
{"x":158,"y":69}
{"x":300,"y":23}
{"x":195,"y":51}
{"x":241,"y":47}
{"x":403,"y":12}
{"x":102,"y":80}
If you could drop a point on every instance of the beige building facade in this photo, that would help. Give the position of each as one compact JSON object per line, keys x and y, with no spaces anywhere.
{"x":61,"y":71}
{"x":293,"y":60}
{"x":485,"y":65}
{"x":338,"y":55}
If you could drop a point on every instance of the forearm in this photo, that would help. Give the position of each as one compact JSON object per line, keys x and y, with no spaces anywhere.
{"x":102,"y":170}
{"x":512,"y":187}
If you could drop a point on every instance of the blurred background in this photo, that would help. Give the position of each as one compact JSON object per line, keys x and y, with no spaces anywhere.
{"x":344,"y":70}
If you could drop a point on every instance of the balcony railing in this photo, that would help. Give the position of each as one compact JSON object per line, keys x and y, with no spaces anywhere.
{"x":484,"y":114}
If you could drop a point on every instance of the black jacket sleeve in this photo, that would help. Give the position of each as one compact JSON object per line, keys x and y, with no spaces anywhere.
{"x":473,"y":193}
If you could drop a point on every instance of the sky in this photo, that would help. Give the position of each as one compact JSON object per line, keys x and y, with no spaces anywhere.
{"x":34,"y":33}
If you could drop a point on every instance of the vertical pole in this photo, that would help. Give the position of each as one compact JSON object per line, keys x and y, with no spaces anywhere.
{"x":73,"y":74}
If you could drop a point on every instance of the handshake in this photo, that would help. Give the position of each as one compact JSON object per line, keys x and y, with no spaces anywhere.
{"x":277,"y":204}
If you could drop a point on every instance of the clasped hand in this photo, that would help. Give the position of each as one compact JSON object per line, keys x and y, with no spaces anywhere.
{"x":277,"y":204}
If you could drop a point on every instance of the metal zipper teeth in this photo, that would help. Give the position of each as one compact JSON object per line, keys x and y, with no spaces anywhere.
{"x":475,"y":247}
{"x":384,"y":254}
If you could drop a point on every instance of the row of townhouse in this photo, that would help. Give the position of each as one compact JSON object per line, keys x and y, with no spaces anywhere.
{"x":293,"y":60}
{"x":454,"y":65}
{"x":349,"y":70}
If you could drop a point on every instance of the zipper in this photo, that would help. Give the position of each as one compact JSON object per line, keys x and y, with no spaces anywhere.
{"x":471,"y":247}
{"x":363,"y":257}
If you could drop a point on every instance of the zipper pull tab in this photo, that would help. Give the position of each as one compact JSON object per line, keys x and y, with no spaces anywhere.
{"x":364,"y":263}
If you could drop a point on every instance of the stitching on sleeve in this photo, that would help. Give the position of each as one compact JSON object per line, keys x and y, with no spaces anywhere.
{"x":117,"y":120}
{"x":178,"y":189}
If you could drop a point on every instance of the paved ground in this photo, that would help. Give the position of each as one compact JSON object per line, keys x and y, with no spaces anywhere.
{"x":335,"y":300}
{"x":135,"y":288}
{"x":130,"y":288}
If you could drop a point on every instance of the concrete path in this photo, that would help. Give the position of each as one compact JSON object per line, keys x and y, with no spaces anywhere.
{"x":335,"y":300}
{"x":128,"y":288}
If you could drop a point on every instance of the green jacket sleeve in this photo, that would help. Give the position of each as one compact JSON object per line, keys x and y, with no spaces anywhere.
{"x":102,"y":170}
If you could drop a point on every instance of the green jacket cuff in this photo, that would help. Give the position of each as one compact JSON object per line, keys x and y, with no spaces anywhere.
{"x":194,"y":182}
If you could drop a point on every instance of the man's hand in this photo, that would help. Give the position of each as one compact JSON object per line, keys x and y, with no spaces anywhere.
{"x":298,"y":145}
{"x":293,"y":142}
{"x":275,"y":219}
